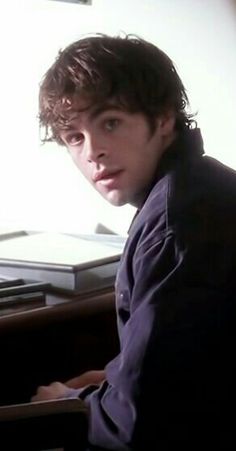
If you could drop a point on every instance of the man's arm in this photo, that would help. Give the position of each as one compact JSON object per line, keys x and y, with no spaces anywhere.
{"x":165,"y":360}
{"x":89,"y":377}
{"x":57,"y":390}
{"x":170,"y":351}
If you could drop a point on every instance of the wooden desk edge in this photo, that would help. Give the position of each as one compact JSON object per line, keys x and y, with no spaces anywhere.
{"x":85,"y":304}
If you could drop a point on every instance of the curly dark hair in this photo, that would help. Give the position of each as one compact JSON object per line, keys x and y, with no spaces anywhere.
{"x":135,"y":74}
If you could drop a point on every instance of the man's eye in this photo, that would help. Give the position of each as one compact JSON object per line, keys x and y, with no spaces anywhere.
{"x":111,"y":124}
{"x":74,"y":140}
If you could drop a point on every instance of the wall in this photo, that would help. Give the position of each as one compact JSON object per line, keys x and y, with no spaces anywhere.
{"x":40,"y":188}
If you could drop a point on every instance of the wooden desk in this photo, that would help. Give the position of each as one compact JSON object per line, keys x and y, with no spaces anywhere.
{"x":55,"y":343}
{"x":60,"y":308}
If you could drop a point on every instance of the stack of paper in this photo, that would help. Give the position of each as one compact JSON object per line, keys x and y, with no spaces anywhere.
{"x":67,"y":262}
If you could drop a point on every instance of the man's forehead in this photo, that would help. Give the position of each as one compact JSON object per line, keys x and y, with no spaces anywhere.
{"x":80,"y":109}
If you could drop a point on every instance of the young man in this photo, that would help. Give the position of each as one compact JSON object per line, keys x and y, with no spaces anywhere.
{"x":119,"y":107}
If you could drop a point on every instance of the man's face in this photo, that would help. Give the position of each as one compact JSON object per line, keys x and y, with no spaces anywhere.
{"x":116,"y":151}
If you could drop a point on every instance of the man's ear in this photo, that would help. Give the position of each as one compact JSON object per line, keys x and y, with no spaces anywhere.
{"x":166,"y":123}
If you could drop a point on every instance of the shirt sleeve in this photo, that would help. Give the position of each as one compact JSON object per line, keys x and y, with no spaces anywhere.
{"x":162,"y":356}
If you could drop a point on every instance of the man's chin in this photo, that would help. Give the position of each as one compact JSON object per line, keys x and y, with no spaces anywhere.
{"x":115,"y":198}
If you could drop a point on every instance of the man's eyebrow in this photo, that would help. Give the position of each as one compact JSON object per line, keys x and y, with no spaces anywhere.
{"x":67,"y":130}
{"x":96,"y":111}
{"x":93,"y":114}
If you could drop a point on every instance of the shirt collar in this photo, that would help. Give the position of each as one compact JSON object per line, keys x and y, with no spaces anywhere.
{"x":187,"y":145}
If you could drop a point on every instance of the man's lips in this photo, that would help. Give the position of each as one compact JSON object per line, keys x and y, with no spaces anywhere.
{"x":105,"y":175}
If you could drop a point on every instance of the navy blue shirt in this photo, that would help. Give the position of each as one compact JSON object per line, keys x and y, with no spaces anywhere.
{"x":175,"y":298}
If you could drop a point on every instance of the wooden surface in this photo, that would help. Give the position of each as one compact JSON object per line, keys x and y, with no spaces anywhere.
{"x":56,"y":343}
{"x":63,"y":308}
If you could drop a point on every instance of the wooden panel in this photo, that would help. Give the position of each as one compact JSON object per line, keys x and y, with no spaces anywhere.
{"x":55,"y":344}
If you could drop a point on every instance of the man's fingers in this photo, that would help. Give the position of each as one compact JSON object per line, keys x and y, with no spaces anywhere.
{"x":46,"y":392}
{"x":42,"y":393}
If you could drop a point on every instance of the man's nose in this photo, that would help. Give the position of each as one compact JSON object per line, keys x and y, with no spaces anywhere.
{"x":94,"y":149}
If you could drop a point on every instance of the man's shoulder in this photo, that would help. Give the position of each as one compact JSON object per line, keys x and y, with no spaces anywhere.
{"x":195,"y":195}
{"x":202,"y":200}
{"x":218,"y":177}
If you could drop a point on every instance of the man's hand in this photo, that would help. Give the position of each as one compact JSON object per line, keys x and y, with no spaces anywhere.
{"x":90,"y":377}
{"x":58,"y":390}
{"x":55,"y":390}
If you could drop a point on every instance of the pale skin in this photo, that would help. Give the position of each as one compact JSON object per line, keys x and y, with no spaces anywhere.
{"x":116,"y":150}
{"x":58,"y":390}
{"x":118,"y":154}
